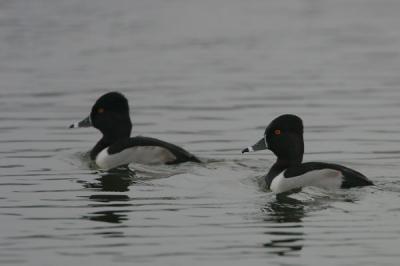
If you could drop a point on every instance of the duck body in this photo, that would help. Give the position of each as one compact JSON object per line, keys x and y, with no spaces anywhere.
{"x":142,"y":150}
{"x":110,"y":115}
{"x":284,"y":137}
{"x":317,"y":174}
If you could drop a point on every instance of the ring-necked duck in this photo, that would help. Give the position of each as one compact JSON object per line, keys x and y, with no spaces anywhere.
{"x":284,"y":137}
{"x":110,"y":115}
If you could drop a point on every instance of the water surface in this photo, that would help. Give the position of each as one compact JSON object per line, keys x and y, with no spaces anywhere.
{"x":209,"y":76}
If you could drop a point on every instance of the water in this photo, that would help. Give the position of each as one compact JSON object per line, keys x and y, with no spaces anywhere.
{"x":209,"y":76}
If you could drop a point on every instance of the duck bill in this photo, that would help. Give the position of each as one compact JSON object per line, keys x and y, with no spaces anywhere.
{"x":260,"y":145}
{"x":87,"y":122}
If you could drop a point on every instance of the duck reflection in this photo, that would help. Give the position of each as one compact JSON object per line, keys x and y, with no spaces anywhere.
{"x":116,"y":180}
{"x":287,"y":234}
{"x":285,"y":209}
{"x":115,"y":217}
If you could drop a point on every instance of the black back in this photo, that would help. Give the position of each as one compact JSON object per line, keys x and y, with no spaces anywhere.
{"x":180,"y":154}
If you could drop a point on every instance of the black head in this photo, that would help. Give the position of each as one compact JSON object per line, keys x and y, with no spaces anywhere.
{"x":110,"y":115}
{"x":113,"y":102}
{"x":284,"y":137}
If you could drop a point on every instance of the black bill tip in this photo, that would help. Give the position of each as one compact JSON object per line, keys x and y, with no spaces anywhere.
{"x":74,"y":125}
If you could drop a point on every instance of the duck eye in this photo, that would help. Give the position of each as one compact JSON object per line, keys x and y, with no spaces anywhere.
{"x":100,"y":110}
{"x":277,"y":132}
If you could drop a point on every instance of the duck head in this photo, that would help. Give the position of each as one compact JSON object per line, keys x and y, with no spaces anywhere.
{"x":110,"y":115}
{"x":284,"y":137}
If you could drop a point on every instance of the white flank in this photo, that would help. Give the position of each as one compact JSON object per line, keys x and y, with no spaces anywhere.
{"x":140,"y":154}
{"x":250,"y":149}
{"x":324,"y":178}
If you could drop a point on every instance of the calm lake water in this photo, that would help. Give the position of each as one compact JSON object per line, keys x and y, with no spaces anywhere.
{"x":209,"y":76}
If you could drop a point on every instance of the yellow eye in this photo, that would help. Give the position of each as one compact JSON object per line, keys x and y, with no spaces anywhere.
{"x":277,"y":132}
{"x":100,"y":110}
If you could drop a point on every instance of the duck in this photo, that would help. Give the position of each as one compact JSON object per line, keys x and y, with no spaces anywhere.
{"x":284,"y":137}
{"x":110,"y":115}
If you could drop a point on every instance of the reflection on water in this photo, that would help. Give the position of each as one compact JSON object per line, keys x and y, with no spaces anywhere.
{"x":288,"y":213}
{"x":107,"y":216}
{"x":118,"y":179}
{"x":115,"y":180}
{"x":285,"y":210}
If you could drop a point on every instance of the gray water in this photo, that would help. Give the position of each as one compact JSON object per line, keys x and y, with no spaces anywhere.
{"x":209,"y":76}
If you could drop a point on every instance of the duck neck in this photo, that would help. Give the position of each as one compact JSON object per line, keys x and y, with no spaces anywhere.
{"x":111,"y":137}
{"x":100,"y":145}
{"x":116,"y":135}
{"x":279,"y":166}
